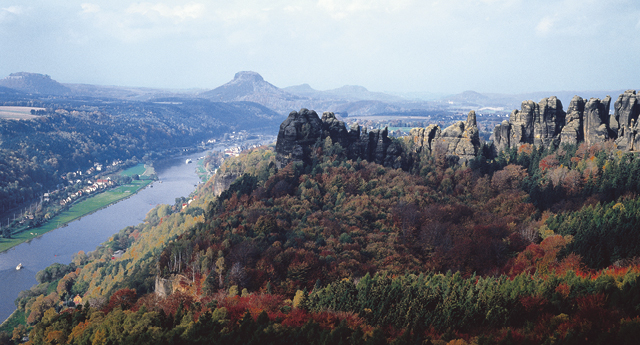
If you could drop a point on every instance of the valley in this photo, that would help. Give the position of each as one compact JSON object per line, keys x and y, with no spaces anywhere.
{"x":375,"y":219}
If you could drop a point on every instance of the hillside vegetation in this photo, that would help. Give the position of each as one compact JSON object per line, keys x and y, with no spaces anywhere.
{"x":72,"y":135}
{"x":534,"y":246}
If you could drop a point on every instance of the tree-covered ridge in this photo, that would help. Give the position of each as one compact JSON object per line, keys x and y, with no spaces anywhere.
{"x":74,"y":135}
{"x":351,"y":250}
{"x":337,"y":219}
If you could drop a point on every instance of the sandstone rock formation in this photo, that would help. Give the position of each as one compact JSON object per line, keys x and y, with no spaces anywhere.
{"x":585,"y":121}
{"x":461,"y":139}
{"x":573,"y":131}
{"x":549,"y":122}
{"x":625,"y":120}
{"x":303,"y":130}
{"x":298,"y":134}
{"x":535,"y":123}
{"x":222,"y":181}
{"x":596,"y":120}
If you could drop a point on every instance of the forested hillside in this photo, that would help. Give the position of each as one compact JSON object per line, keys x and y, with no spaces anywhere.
{"x":532,"y":246}
{"x":75,"y":134}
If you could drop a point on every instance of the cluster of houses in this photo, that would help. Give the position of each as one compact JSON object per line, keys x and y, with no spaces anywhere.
{"x":233,"y":151}
{"x":97,"y":167}
{"x":186,"y":204}
{"x":93,"y":187}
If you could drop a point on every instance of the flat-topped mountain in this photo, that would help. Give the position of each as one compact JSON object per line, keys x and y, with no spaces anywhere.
{"x":352,"y":99}
{"x":250,"y":86}
{"x":34,"y":83}
{"x":246,"y":86}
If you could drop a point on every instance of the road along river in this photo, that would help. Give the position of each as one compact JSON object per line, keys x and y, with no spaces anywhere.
{"x":178,"y":179}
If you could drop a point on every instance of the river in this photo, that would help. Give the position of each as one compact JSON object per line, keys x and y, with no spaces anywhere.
{"x":178,"y":179}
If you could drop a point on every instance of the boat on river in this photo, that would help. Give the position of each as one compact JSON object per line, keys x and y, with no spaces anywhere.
{"x":19,"y":267}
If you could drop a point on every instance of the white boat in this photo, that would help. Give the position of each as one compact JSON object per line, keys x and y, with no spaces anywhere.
{"x":188,"y":161}
{"x":19,"y":267}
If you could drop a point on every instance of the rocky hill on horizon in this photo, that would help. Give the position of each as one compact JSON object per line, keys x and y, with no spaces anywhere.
{"x":34,"y":83}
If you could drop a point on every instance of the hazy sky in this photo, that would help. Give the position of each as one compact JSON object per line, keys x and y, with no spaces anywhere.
{"x":508,"y":46}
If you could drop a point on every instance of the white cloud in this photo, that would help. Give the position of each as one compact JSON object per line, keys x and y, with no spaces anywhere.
{"x":545,"y":25}
{"x":90,"y":8}
{"x":340,"y":9}
{"x":13,"y":9}
{"x":188,"y":11}
{"x":9,"y":14}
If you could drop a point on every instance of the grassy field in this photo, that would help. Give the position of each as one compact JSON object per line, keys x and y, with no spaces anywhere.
{"x":136,"y":170}
{"x":202,"y":172}
{"x":142,"y":170}
{"x":79,"y":209}
{"x":17,"y":318}
{"x":17,"y":113}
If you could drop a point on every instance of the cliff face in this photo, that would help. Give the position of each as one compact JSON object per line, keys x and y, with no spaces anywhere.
{"x":535,"y":123}
{"x":462,"y":139}
{"x":625,"y":120}
{"x":545,"y":123}
{"x":303,"y":130}
{"x":222,"y":182}
{"x":297,"y":135}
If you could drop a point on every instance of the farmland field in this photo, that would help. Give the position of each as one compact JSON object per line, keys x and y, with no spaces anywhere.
{"x":17,"y":113}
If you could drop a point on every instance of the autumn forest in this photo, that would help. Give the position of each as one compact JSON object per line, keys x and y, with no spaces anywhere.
{"x":530,"y":246}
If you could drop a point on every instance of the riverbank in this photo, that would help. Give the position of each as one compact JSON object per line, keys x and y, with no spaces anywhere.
{"x":86,"y":234}
{"x":85,"y":207}
{"x":16,"y":318}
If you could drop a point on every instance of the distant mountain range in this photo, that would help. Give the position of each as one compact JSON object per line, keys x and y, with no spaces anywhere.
{"x":42,"y":84}
{"x":349,"y":99}
{"x":513,"y":101}
{"x":248,"y":86}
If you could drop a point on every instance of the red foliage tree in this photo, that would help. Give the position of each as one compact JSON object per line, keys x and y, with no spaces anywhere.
{"x":123,"y":299}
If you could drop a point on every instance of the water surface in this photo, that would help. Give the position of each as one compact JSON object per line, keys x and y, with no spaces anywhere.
{"x":178,"y":179}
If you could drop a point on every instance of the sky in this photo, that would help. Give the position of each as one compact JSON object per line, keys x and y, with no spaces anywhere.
{"x":503,"y":46}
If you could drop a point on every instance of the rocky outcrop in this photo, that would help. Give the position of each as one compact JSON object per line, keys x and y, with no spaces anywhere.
{"x":535,"y":123}
{"x":334,"y":128}
{"x":549,"y":122}
{"x":298,"y":134}
{"x":585,"y":121}
{"x":222,"y":181}
{"x":596,"y":120}
{"x":462,"y":139}
{"x":175,"y":282}
{"x":163,"y":287}
{"x":303,"y":130}
{"x":423,"y":138}
{"x":573,"y":131}
{"x":625,"y":120}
